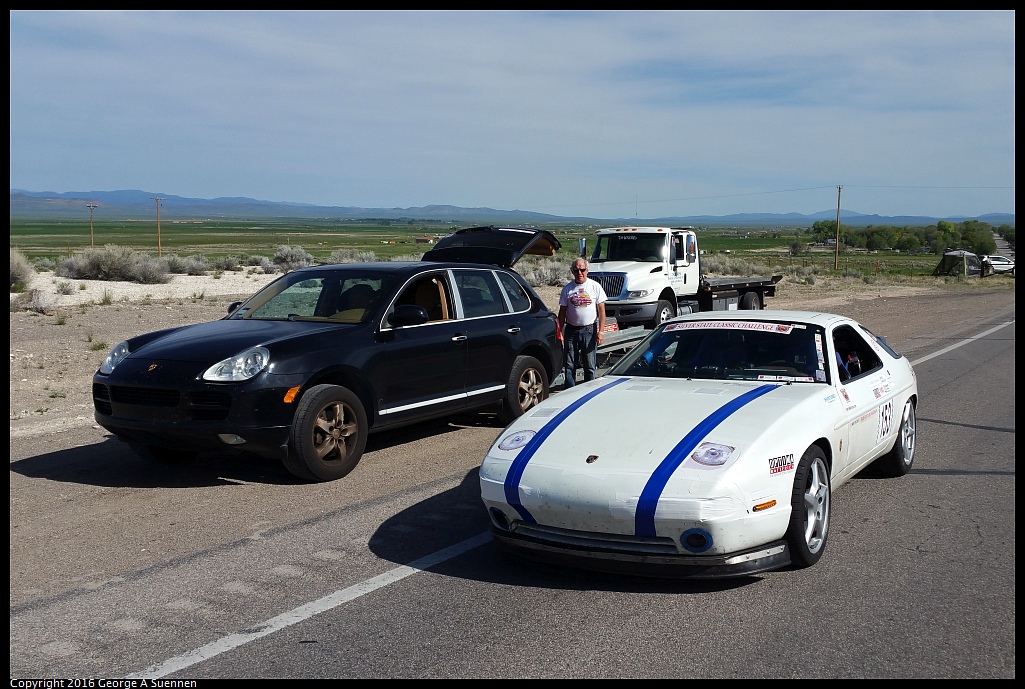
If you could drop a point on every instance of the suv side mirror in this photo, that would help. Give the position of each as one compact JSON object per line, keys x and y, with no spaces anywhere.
{"x":408,"y":314}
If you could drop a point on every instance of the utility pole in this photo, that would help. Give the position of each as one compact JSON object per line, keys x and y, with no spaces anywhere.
{"x":158,"y":199}
{"x":836,"y":255}
{"x":91,"y":206}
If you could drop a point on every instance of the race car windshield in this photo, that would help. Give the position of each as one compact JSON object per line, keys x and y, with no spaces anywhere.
{"x":730,"y":350}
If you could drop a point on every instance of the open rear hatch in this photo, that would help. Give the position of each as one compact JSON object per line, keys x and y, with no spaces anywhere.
{"x":497,"y":246}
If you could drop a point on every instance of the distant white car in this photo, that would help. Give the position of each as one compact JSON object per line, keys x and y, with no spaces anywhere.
{"x":711,"y":450}
{"x":1001,"y":264}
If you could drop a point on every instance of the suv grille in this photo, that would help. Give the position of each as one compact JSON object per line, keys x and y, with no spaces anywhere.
{"x":144,"y":397}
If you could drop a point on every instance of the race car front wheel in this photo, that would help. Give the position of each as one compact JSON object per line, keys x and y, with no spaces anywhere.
{"x":809,"y":513}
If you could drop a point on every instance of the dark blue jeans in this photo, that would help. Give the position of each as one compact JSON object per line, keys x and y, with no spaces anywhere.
{"x":581,"y":350}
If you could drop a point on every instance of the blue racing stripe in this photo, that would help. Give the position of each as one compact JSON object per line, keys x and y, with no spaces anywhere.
{"x":512,"y":479}
{"x":644,"y":519}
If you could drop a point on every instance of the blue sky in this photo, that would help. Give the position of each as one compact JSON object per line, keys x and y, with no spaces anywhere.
{"x":599,"y":114}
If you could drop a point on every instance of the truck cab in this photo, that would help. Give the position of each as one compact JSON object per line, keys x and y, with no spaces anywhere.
{"x":646,"y":272}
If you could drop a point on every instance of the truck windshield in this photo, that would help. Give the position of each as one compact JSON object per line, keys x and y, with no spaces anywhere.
{"x":730,"y":349}
{"x":629,"y":247}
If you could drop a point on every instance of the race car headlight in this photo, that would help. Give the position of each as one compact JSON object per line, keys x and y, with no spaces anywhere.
{"x":242,"y":366}
{"x":639,"y":294}
{"x":515,"y":441}
{"x":115,"y":357}
{"x":712,"y":454}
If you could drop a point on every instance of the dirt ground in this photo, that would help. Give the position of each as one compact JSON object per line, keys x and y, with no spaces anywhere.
{"x":57,"y":345}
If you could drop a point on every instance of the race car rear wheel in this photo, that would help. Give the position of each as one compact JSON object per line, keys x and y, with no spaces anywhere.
{"x":527,"y":387}
{"x":898,"y":461}
{"x":809,"y":514}
{"x":329,"y":433}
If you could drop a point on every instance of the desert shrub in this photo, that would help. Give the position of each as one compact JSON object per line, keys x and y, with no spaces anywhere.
{"x":149,"y":270}
{"x":44,"y":264}
{"x":724,"y":264}
{"x":33,"y":300}
{"x":64,"y":287}
{"x":107,"y":263}
{"x":289,"y":257}
{"x":541,"y":272}
{"x":228,"y":263}
{"x":187,"y":265}
{"x":114,"y":263}
{"x":267,"y":266}
{"x":21,"y":270}
{"x":350,"y":255}
{"x":403,"y":257}
{"x":256,"y":260}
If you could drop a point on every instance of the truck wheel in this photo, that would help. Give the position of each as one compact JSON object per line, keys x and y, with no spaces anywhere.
{"x":750,"y":302}
{"x":663,"y":313}
{"x":329,"y":433}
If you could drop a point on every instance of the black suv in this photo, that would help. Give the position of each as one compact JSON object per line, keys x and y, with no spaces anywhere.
{"x":304,"y":369}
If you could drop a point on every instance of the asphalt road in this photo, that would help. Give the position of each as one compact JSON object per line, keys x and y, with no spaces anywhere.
{"x":228,"y":569}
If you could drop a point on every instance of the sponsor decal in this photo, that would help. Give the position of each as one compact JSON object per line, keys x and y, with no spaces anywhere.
{"x":885,"y":425}
{"x":868,"y":415}
{"x":846,"y":397}
{"x":732,"y":325}
{"x":778,"y":465}
{"x":797,"y":379}
{"x":829,"y":398}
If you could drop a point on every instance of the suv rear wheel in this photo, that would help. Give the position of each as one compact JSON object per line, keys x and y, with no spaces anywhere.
{"x":527,"y":386}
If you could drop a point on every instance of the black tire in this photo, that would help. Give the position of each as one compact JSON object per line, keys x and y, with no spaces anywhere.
{"x":809,"y":513}
{"x":164,"y":455}
{"x":663,"y":312}
{"x":329,"y":434}
{"x":898,"y":461}
{"x":527,"y":386}
{"x":750,"y":302}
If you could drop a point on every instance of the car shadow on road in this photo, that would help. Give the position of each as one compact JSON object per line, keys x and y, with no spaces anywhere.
{"x":458,"y":514}
{"x":112,"y":463}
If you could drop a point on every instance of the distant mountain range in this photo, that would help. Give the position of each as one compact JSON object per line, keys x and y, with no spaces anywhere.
{"x":134,"y":204}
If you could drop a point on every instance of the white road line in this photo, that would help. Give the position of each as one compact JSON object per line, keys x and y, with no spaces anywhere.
{"x":308,"y":610}
{"x":962,"y":343}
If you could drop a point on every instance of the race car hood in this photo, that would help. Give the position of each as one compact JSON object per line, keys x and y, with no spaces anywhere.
{"x":211,"y":342}
{"x":598,"y":450}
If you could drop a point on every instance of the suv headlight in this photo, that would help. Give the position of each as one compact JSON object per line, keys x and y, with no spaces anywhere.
{"x":242,"y":366}
{"x":639,"y":294}
{"x":115,"y":357}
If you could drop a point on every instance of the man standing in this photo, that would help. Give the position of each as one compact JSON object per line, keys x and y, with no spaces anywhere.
{"x":582,"y":322}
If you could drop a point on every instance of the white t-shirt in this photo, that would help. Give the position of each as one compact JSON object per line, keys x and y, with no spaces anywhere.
{"x":581,"y":301}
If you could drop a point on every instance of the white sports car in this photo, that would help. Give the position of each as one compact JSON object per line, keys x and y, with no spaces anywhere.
{"x":710,"y":450}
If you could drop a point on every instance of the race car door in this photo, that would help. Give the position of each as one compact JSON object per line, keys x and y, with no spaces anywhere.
{"x":864,"y":389}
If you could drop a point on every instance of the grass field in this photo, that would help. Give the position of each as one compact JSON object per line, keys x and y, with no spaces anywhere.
{"x":766,"y":249}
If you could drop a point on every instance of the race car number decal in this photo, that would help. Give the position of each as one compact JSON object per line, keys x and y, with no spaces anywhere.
{"x":885,"y":425}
